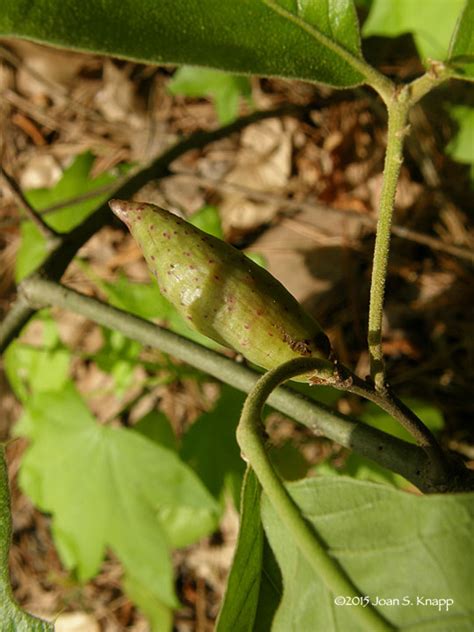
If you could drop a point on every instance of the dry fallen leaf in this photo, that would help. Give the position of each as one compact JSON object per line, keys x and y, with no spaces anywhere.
{"x":76,"y":622}
{"x":263,"y":163}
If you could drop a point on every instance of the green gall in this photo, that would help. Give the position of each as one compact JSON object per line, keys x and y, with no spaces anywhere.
{"x":220,"y":291}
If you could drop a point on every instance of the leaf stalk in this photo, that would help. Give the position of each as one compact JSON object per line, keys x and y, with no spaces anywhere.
{"x":250,"y":436}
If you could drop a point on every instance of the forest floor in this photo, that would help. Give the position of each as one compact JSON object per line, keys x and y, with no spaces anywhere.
{"x":300,"y":190}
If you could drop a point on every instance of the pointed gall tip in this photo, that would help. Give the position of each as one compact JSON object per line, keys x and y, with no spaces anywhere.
{"x":121,"y":209}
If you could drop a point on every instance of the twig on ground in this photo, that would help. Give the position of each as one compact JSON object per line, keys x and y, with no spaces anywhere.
{"x":48,"y":233}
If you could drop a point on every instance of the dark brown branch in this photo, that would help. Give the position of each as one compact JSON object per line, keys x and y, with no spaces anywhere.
{"x":367,"y":220}
{"x":48,"y":233}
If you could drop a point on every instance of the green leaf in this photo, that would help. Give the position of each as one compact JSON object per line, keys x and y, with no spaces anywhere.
{"x":431,"y":23}
{"x":429,"y":415}
{"x":12,"y":618}
{"x":461,"y":147}
{"x":157,"y":427}
{"x":208,"y":219}
{"x":461,"y":54}
{"x":393,"y":545}
{"x":111,"y":487}
{"x":34,"y":369}
{"x":224,"y":88}
{"x":271,"y":590}
{"x":257,"y":258}
{"x":210,"y":446}
{"x":74,"y":181}
{"x":118,"y":356}
{"x":32,"y":251}
{"x":288,"y":461}
{"x":246,"y":37}
{"x":158,"y":614}
{"x":141,"y":299}
{"x":362,"y":469}
{"x":243,"y":586}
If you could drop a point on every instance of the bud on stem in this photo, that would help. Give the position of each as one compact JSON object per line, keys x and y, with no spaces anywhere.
{"x":220,"y":291}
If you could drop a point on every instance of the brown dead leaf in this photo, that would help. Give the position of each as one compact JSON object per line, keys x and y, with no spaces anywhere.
{"x":45,"y":72}
{"x":408,"y":191}
{"x":41,"y":171}
{"x":116,"y":98}
{"x":263,"y":163}
{"x":76,"y":622}
{"x":303,"y":252}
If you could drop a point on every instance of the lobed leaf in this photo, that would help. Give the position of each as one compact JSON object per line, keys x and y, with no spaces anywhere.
{"x":160,"y":616}
{"x":34,"y":369}
{"x":210,"y":446}
{"x":111,"y":487}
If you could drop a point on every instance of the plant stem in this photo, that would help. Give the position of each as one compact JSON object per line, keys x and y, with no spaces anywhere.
{"x":250,"y":433}
{"x":390,"y":452}
{"x":436,"y":74}
{"x":386,"y":400}
{"x":398,"y":106}
{"x":397,"y":127}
